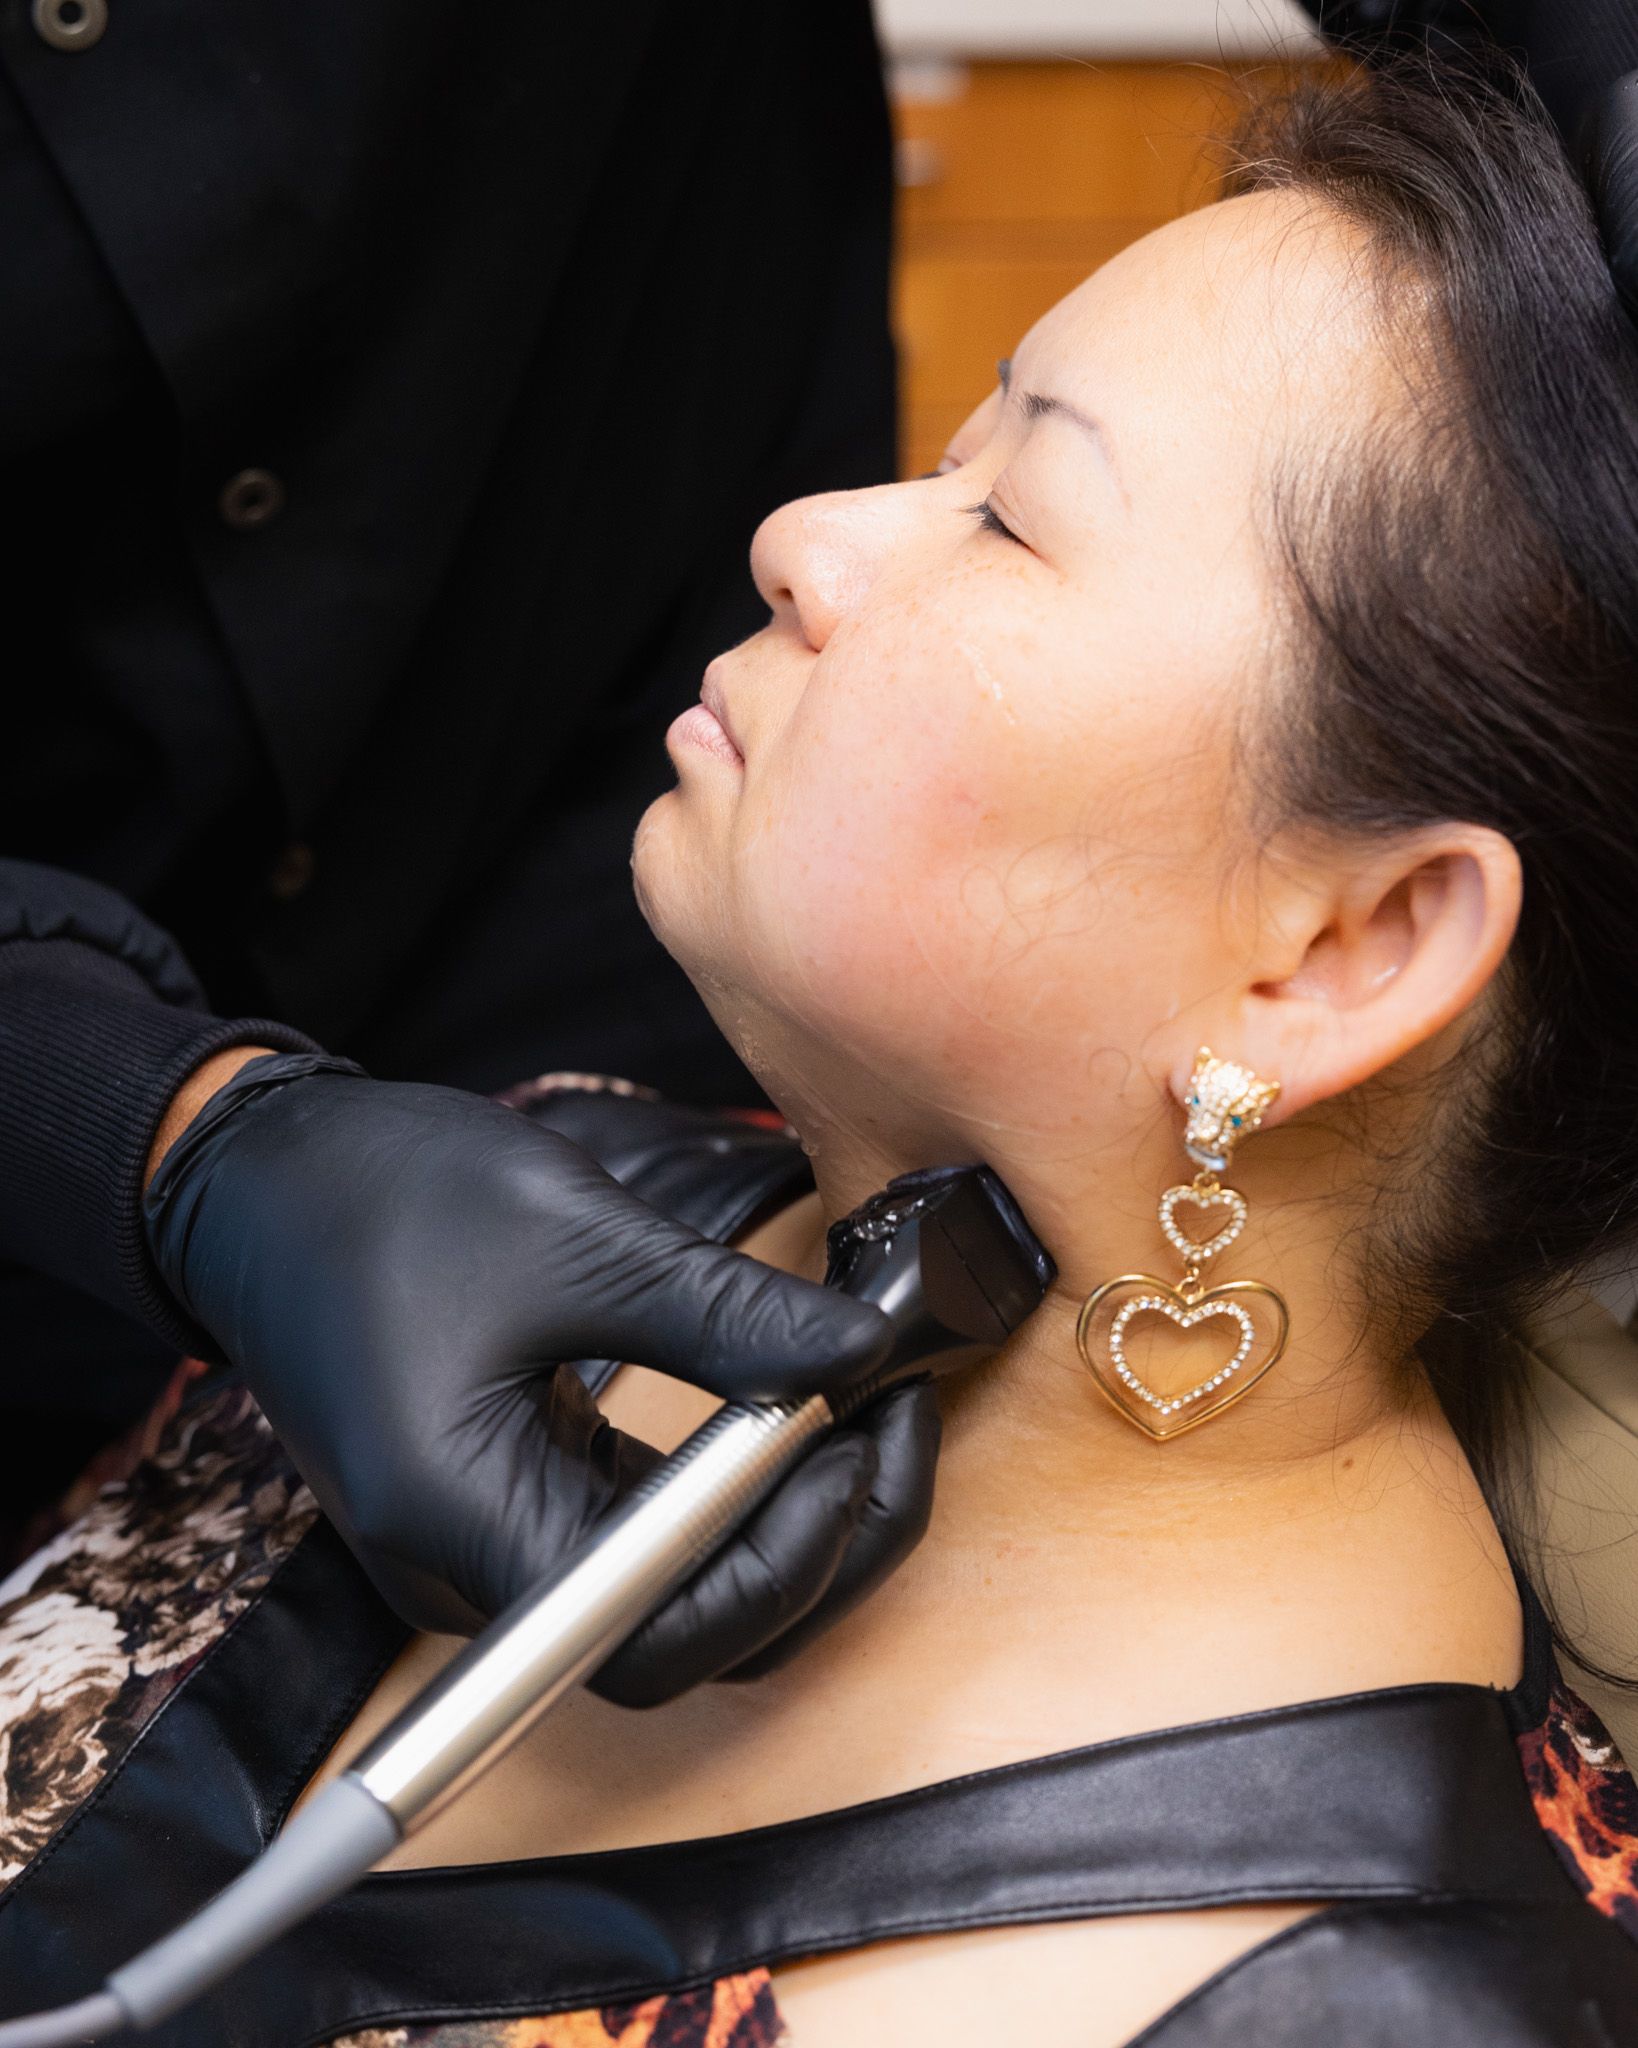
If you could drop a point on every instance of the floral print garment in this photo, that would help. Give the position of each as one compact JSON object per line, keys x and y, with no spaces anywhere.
{"x":103,"y":1622}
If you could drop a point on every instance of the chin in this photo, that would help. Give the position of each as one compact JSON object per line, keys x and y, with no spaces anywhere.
{"x":672,"y":894}
{"x":654,"y":859}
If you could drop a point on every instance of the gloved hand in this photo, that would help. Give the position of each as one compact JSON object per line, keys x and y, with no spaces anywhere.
{"x":398,"y":1269}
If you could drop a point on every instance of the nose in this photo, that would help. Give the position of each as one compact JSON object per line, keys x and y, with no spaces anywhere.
{"x":817,"y":559}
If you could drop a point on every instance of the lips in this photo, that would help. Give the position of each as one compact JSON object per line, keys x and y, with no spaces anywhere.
{"x":708,"y":726}
{"x":705,"y":725}
{"x":712,"y":698}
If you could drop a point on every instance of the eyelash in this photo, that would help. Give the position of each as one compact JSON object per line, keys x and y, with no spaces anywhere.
{"x":991,"y":522}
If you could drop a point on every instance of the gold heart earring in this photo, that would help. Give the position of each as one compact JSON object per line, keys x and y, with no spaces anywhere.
{"x":1225,"y":1103}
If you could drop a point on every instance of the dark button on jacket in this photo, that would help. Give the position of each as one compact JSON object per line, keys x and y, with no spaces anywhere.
{"x":70,"y":24}
{"x":250,"y":499}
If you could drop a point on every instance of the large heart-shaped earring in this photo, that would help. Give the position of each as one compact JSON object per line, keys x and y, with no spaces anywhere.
{"x":1163,"y":1415}
{"x":1225,"y":1104}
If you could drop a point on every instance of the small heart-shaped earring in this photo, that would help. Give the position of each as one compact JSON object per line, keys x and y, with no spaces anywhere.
{"x":1225,"y":1103}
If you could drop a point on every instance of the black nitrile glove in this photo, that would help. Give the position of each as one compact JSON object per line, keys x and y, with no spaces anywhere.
{"x":397,"y":1271}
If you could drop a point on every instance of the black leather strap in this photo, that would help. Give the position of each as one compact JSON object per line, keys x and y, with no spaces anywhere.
{"x":1415,"y":1795}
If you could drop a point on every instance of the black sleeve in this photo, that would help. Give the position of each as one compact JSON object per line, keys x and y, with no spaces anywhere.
{"x":101,"y":1020}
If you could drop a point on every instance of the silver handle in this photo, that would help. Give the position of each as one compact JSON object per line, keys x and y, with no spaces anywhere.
{"x":550,"y":1639}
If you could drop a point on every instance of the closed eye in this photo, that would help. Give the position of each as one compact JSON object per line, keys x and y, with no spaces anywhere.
{"x":991,"y":522}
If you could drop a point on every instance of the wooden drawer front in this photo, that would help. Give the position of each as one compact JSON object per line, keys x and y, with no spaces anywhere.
{"x":958,"y":315}
{"x":1040,"y":144}
{"x":1017,"y":181}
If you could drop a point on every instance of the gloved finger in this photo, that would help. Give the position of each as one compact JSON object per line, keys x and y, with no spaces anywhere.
{"x":905,"y":1427}
{"x":513,"y":1491}
{"x":557,"y":1480}
{"x":766,"y":1578}
{"x":666,"y":1297}
{"x":419,"y":1597}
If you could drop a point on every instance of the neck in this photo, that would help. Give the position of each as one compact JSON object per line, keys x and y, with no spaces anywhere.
{"x":1323,"y":1533}
{"x":1344,"y":1375}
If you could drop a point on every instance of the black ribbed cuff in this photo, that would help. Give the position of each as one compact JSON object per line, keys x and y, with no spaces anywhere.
{"x":89,"y":1061}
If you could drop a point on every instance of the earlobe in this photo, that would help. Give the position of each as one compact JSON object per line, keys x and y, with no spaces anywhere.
{"x":1401,"y":945}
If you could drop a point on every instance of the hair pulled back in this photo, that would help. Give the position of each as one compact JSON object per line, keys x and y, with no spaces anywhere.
{"x":1463,"y":612}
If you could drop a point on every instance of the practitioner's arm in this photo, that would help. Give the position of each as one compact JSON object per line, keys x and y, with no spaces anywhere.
{"x":398,"y":1269}
{"x":101,"y":1021}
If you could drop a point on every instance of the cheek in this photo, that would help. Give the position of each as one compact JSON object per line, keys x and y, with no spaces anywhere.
{"x":969,"y":847}
{"x":916,"y":834}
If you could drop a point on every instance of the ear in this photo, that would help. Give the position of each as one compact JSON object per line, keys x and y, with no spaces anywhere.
{"x":1362,"y":959}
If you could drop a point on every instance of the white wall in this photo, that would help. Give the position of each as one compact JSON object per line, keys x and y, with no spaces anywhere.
{"x":1094,"y":28}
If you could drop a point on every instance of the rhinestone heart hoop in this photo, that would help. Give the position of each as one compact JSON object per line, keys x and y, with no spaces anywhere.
{"x":1225,"y":1104}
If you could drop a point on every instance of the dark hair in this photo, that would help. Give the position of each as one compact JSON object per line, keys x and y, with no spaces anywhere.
{"x":1463,"y":585}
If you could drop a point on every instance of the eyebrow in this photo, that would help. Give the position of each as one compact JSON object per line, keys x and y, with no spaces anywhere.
{"x":1036,"y":405}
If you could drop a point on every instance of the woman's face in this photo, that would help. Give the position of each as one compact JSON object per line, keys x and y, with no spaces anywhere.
{"x":975,"y":839}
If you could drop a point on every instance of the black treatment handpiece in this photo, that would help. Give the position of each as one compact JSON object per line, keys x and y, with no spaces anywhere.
{"x":948,"y":1258}
{"x":946,"y":1255}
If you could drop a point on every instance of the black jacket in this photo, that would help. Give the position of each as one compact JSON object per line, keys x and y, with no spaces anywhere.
{"x":389,"y":396}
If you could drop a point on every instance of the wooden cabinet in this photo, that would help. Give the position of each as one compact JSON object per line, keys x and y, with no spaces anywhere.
{"x":1015,"y":181}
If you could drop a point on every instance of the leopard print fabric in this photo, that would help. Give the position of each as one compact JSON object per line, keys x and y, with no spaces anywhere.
{"x":734,"y":2012}
{"x":1587,"y":1802}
